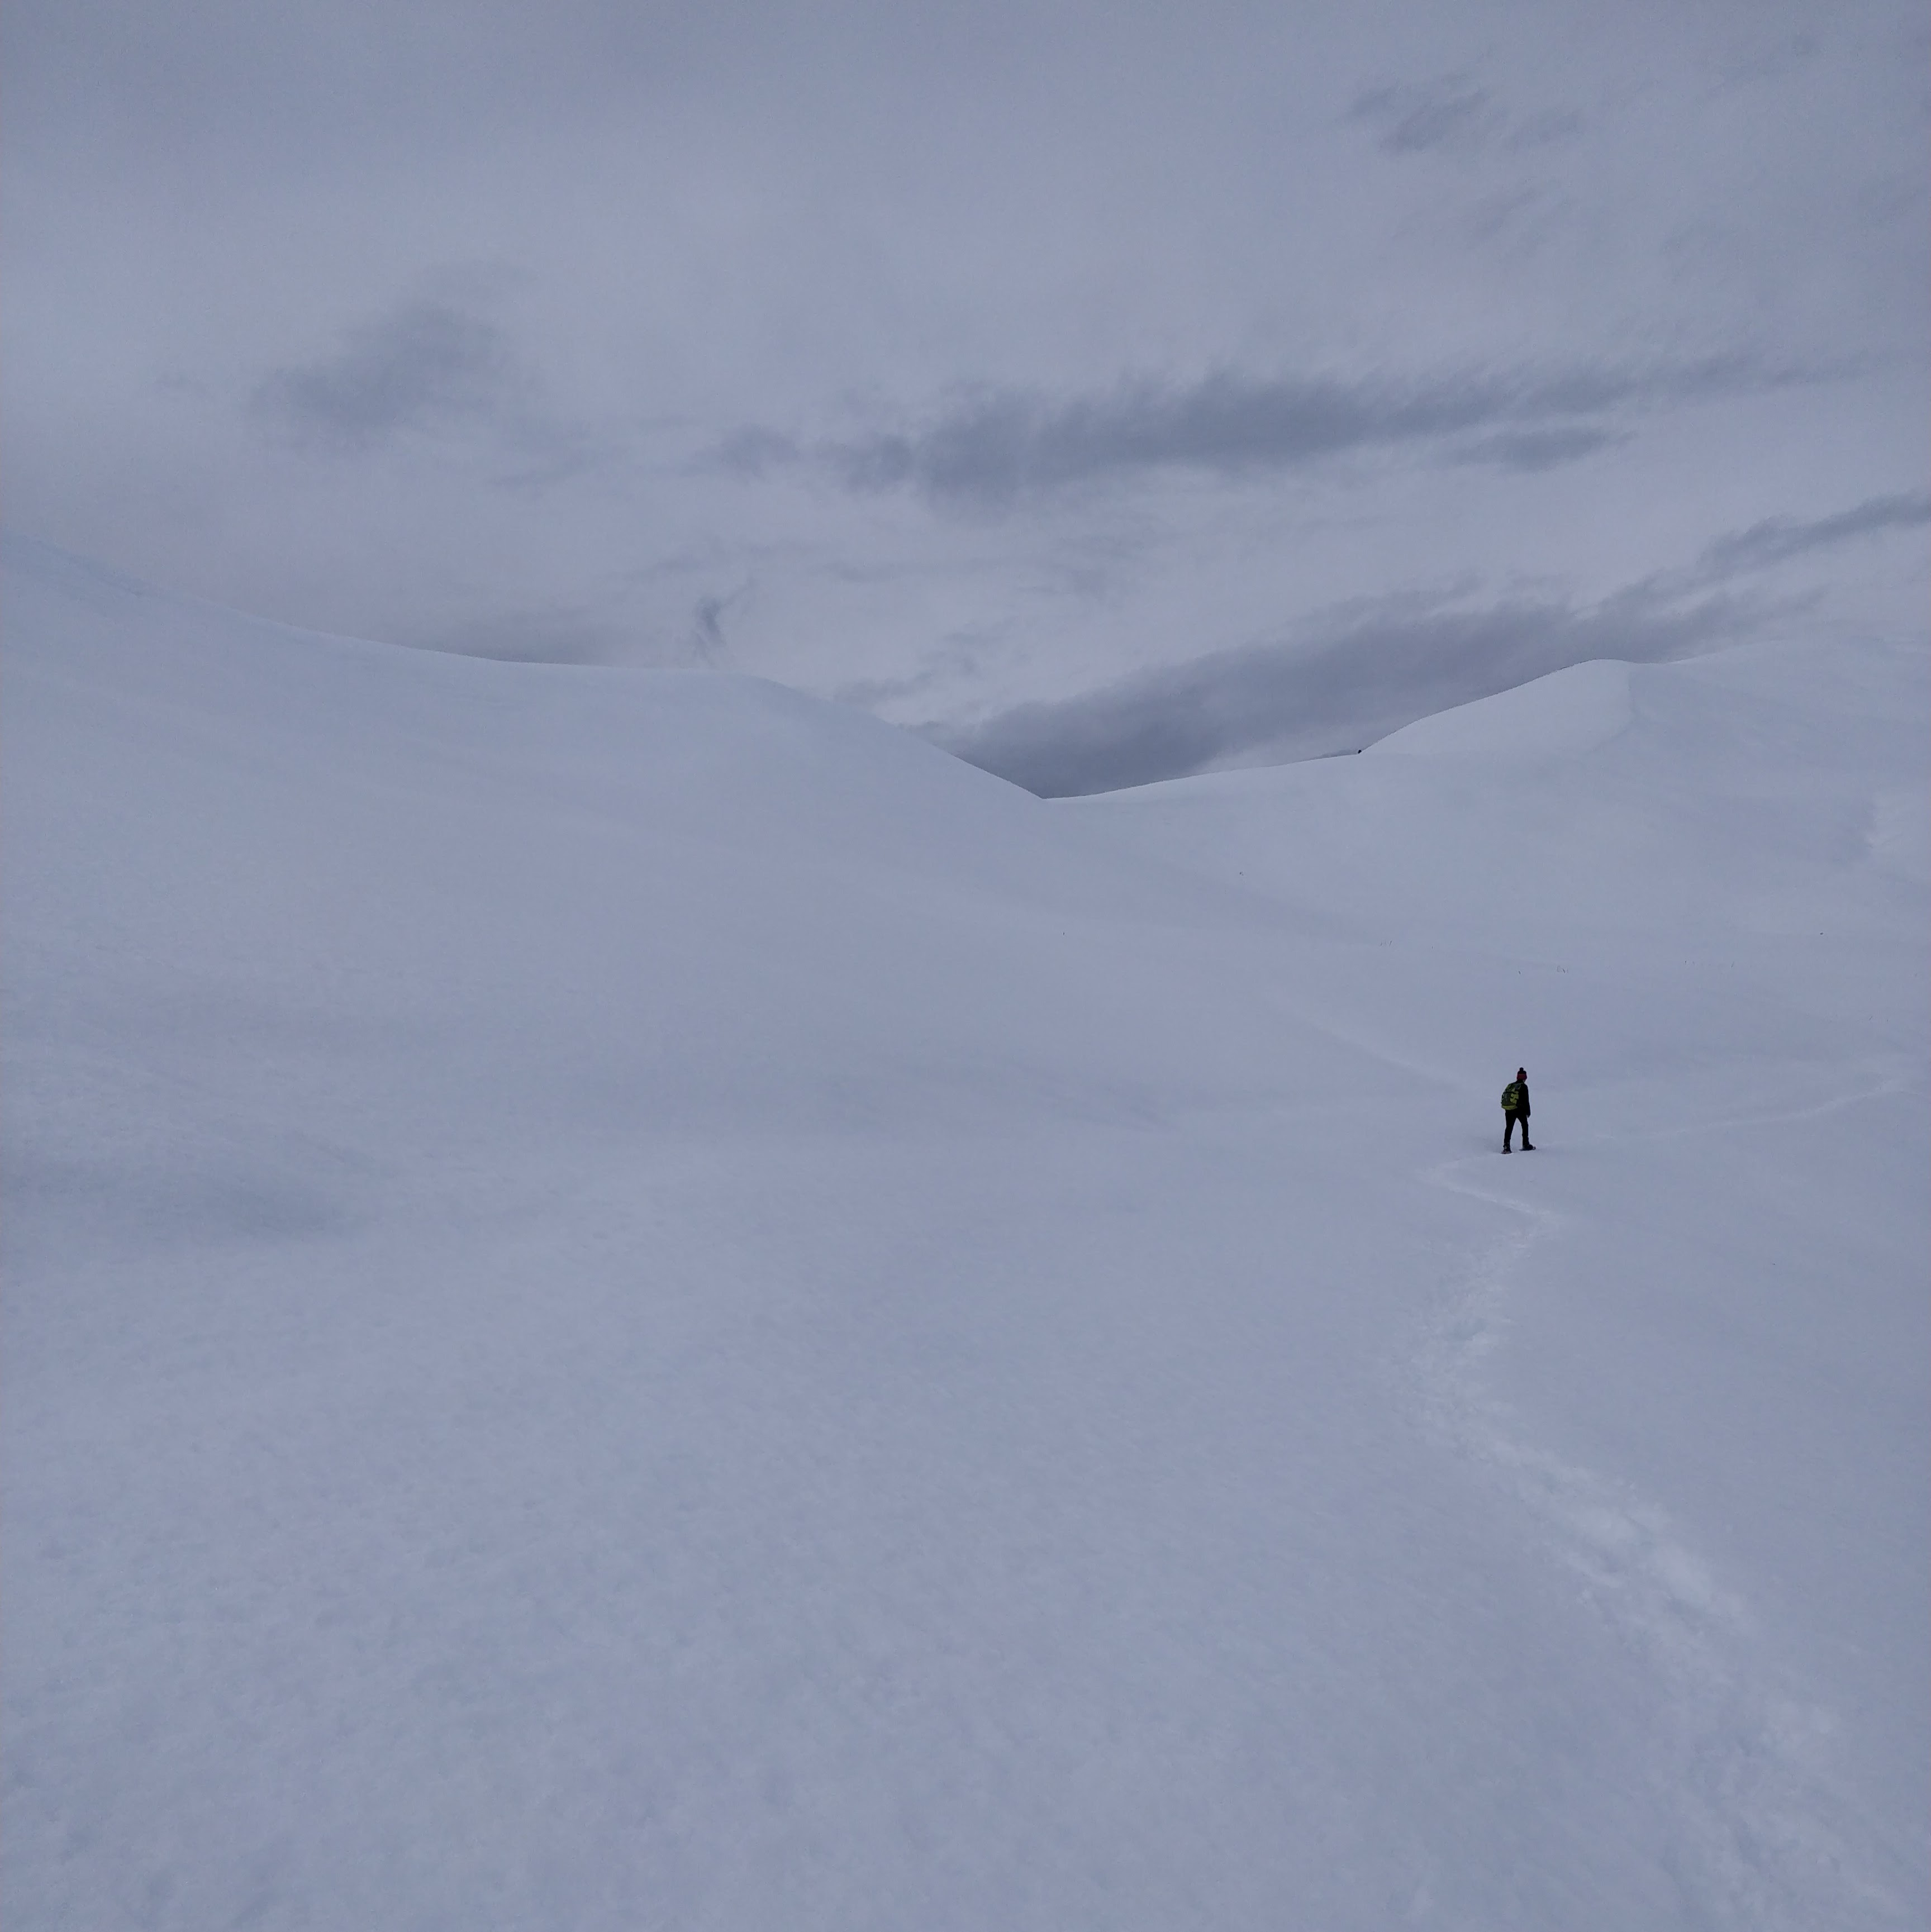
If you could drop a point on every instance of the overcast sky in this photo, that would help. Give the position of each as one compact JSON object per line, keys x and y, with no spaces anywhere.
{"x":1117,"y":390}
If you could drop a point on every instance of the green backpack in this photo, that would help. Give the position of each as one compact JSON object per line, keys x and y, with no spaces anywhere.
{"x":1512,"y":1095}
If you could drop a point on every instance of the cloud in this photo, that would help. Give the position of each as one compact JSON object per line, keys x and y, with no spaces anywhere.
{"x":1341,"y":683}
{"x":752,"y":453}
{"x":1450,"y":112}
{"x":1545,"y":130}
{"x":705,"y":640}
{"x":558,"y":635}
{"x":1453,"y":113}
{"x":1307,"y":697}
{"x":991,"y":446}
{"x":423,"y":366}
{"x":1776,"y":539}
{"x":1532,"y":449}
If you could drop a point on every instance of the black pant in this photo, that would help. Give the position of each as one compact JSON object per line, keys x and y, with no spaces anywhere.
{"x":1509,"y":1119}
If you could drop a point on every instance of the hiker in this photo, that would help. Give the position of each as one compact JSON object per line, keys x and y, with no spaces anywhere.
{"x":1515,"y":1107}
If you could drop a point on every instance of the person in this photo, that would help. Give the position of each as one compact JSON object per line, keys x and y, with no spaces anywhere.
{"x":1516,"y":1108}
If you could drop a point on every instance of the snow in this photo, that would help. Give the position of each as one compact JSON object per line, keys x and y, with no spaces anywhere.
{"x":1553,"y":718}
{"x":635,"y":1300}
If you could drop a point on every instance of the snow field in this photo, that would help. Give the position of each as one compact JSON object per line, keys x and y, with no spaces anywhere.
{"x":636,"y":1301}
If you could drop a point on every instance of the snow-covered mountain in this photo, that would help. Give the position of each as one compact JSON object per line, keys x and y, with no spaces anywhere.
{"x":634,"y":1300}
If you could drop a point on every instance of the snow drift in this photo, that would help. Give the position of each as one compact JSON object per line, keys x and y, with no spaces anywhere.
{"x":636,"y":1300}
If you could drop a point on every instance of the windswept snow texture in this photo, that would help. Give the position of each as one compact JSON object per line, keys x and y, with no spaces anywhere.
{"x":634,"y":1301}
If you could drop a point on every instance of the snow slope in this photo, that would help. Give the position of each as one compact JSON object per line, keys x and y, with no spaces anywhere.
{"x":636,"y":1301}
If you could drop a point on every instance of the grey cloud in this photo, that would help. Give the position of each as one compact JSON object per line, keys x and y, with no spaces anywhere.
{"x":558,"y":636}
{"x":1454,"y":114}
{"x":1772,"y":61}
{"x":1532,"y":449}
{"x":705,"y":640}
{"x":1279,"y":701}
{"x":752,"y":453}
{"x":1545,"y":130}
{"x":1341,"y":683}
{"x":1448,"y":112}
{"x":1778,"y":539}
{"x":426,"y":365}
{"x":992,"y":446}
{"x":707,"y":630}
{"x":587,"y":241}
